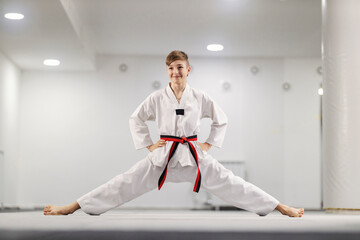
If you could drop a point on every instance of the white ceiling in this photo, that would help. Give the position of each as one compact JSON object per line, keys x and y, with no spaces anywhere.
{"x":76,"y":31}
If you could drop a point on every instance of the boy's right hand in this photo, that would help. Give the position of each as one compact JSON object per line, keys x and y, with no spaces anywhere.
{"x":156,"y":145}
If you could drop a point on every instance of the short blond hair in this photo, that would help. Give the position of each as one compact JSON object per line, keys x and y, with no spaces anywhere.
{"x":177,"y":55}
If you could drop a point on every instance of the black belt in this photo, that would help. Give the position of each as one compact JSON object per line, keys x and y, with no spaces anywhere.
{"x":176,"y":141}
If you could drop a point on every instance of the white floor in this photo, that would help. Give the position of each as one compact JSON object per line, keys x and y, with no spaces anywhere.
{"x":321,"y":223}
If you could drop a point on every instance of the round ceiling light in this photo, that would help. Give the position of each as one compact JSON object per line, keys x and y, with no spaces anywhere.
{"x":215,"y":47}
{"x":51,"y":62}
{"x":14,"y":16}
{"x":321,"y":91}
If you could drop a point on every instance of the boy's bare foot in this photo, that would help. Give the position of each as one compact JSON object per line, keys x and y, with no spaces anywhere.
{"x":61,"y":210}
{"x":290,"y":211}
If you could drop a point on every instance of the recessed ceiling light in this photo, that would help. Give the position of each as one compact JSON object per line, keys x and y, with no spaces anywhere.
{"x":215,"y":47}
{"x":51,"y":62}
{"x":14,"y":16}
{"x":321,"y":91}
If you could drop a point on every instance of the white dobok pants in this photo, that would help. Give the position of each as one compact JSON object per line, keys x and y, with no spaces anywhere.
{"x":144,"y":175}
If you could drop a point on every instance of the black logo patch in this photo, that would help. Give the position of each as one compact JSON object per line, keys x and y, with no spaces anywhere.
{"x":179,"y":111}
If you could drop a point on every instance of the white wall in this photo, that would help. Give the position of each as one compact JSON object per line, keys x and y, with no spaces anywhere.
{"x":9,"y":96}
{"x":301,"y":149}
{"x":74,"y":131}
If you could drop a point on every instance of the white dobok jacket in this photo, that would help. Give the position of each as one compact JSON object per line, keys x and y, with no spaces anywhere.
{"x":161,"y":107}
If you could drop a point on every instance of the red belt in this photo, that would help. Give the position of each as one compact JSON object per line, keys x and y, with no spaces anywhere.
{"x":176,"y":141}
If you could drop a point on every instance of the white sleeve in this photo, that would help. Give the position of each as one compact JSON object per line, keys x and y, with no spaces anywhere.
{"x":218,"y":127}
{"x":138,"y":127}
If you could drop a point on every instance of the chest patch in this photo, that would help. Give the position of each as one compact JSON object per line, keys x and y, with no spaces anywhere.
{"x":179,"y":111}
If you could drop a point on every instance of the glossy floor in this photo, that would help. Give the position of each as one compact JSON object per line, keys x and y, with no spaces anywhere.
{"x":178,"y":224}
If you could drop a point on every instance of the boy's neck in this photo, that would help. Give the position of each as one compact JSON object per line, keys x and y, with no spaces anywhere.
{"x":178,"y":89}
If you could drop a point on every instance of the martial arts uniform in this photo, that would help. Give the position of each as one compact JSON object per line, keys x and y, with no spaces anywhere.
{"x":180,"y":120}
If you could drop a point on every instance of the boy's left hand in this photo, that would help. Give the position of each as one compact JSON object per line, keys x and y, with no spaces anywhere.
{"x":205,"y":146}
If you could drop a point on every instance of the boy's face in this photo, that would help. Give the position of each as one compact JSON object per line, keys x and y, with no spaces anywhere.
{"x":178,"y":71}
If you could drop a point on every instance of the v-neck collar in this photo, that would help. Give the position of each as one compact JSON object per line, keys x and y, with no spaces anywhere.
{"x":172,"y":96}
